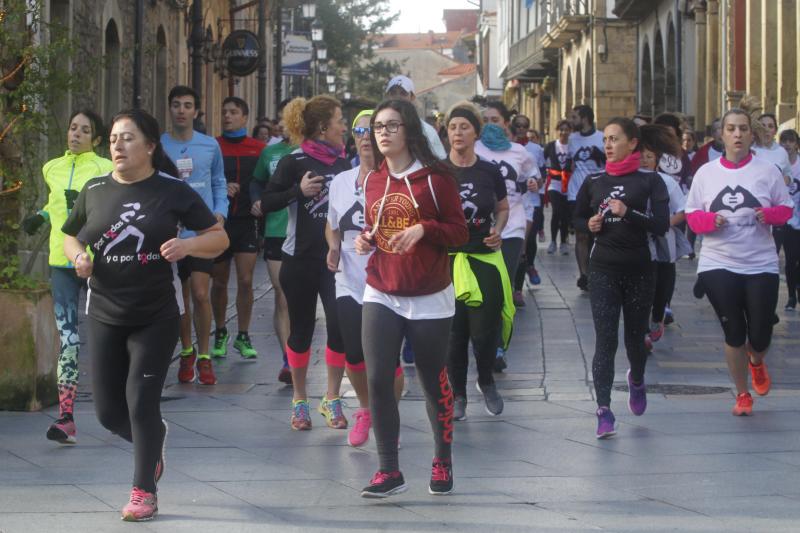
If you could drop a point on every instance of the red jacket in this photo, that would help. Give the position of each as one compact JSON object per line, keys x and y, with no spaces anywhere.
{"x":426,"y":268}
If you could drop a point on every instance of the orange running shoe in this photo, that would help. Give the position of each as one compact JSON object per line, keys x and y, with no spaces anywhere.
{"x":761,"y":380}
{"x":744,"y":405}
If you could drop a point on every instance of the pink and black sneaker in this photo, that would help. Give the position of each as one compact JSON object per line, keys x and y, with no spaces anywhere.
{"x":63,"y":430}
{"x":441,"y":477}
{"x":384,"y":484}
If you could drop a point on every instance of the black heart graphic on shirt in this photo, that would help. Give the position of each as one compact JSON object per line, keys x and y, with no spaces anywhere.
{"x":732,"y":199}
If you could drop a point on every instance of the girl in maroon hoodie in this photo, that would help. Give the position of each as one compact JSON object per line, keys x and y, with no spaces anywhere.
{"x":413,"y":213}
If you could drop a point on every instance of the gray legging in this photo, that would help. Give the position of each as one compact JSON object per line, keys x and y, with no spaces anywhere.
{"x":382,"y":335}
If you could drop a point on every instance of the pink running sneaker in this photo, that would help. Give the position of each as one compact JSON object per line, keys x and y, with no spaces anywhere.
{"x":142,"y":506}
{"x":359,"y":434}
{"x":63,"y":430}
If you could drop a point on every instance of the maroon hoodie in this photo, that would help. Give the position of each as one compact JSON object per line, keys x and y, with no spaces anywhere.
{"x":425,"y":197}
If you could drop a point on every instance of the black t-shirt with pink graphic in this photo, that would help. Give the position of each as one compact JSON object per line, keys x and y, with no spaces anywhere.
{"x":125,"y":226}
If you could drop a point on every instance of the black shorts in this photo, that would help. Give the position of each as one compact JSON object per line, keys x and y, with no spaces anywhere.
{"x":273,"y":248}
{"x":190,"y":264}
{"x":243,"y":234}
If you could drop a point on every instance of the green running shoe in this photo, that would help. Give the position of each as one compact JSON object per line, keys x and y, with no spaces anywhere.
{"x":242,"y":343}
{"x":220,"y":348}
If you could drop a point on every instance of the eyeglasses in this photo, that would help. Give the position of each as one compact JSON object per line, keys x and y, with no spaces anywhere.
{"x":391,"y":127}
{"x":360,"y":132}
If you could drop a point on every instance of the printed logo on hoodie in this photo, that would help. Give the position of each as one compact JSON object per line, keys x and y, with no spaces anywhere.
{"x":398,"y":214}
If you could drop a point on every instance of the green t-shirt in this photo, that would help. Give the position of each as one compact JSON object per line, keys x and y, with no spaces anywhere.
{"x":276,"y":222}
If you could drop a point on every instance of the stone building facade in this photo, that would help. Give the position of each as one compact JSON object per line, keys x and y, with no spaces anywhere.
{"x":105,"y":31}
{"x":563,"y":53}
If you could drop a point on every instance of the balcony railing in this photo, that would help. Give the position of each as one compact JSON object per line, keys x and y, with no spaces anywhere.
{"x":564,"y":20}
{"x":527,"y":58}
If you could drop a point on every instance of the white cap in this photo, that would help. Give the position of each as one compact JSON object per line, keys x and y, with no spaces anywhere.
{"x":404,"y":82}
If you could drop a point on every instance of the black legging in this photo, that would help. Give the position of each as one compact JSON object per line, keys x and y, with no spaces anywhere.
{"x":778,"y":233}
{"x":481,"y":325}
{"x":382,"y":335}
{"x":349,"y":314}
{"x":609,"y":293}
{"x":745,"y":305}
{"x":129,"y":366}
{"x":526,"y":260}
{"x":302,"y":280}
{"x":791,"y":249}
{"x":561,"y":217}
{"x":665,"y":286}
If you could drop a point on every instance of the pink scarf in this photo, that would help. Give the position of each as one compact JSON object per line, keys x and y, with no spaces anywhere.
{"x":626,"y":166}
{"x":322,"y":151}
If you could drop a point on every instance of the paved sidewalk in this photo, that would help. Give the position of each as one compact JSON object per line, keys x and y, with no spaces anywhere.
{"x":234,"y":465}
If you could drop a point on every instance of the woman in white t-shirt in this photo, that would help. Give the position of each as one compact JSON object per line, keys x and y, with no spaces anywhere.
{"x":768,"y":149}
{"x":733,"y":202}
{"x":663,"y":249}
{"x":791,"y":241}
{"x":345,"y":223}
{"x":520,"y":173}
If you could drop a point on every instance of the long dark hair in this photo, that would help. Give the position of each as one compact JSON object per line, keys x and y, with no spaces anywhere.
{"x":657,"y":138}
{"x":416,"y":142}
{"x":149,"y":128}
{"x":98,"y":128}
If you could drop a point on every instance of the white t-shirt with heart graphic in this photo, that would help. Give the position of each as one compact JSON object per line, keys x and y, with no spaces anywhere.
{"x":742,"y":245}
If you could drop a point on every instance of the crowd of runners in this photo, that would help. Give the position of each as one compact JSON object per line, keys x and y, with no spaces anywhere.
{"x":418,"y":241}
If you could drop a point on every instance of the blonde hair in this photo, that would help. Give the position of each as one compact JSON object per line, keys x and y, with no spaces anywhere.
{"x":304,"y":119}
{"x":751,"y":107}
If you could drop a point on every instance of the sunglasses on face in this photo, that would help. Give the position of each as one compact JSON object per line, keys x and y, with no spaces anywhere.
{"x":360,"y":132}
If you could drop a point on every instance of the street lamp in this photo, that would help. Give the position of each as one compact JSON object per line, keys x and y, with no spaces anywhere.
{"x":347,"y":95}
{"x":322,"y":52}
{"x":323,"y":67}
{"x":332,"y":88}
{"x":309,"y":9}
{"x":317,"y":33}
{"x":330,"y":78}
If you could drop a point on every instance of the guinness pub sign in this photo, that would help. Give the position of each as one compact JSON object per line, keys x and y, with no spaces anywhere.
{"x":242,"y":52}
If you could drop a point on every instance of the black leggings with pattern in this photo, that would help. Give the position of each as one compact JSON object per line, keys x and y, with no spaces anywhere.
{"x":610,"y":293}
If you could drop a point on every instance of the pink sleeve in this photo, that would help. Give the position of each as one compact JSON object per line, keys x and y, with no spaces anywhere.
{"x":777,"y":215}
{"x":702,"y":221}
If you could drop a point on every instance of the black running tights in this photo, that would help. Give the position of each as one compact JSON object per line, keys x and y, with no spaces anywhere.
{"x":382,"y":335}
{"x":302,"y":280}
{"x":560,"y":217}
{"x":665,"y":286}
{"x":791,"y":248}
{"x":633,"y":295}
{"x":129,"y":366}
{"x":481,"y":325}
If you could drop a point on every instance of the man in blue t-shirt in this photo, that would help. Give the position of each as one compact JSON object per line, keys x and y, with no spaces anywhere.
{"x":199,"y":162}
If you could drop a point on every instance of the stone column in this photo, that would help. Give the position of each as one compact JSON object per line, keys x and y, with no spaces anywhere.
{"x":753,"y":48}
{"x":712,"y":61}
{"x":700,"y":66}
{"x":769,"y":59}
{"x":787,"y":66}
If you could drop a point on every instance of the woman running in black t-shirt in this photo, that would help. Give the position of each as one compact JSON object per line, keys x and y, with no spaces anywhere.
{"x":478,"y":264}
{"x":129,"y":220}
{"x":300,"y":182}
{"x":620,"y":207}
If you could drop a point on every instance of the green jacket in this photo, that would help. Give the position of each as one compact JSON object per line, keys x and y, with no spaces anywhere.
{"x":69,"y":171}
{"x":468,"y":290}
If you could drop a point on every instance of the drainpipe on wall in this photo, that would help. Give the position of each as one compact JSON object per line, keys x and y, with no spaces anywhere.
{"x":197,"y":39}
{"x":137,"y":54}
{"x":262,"y":61}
